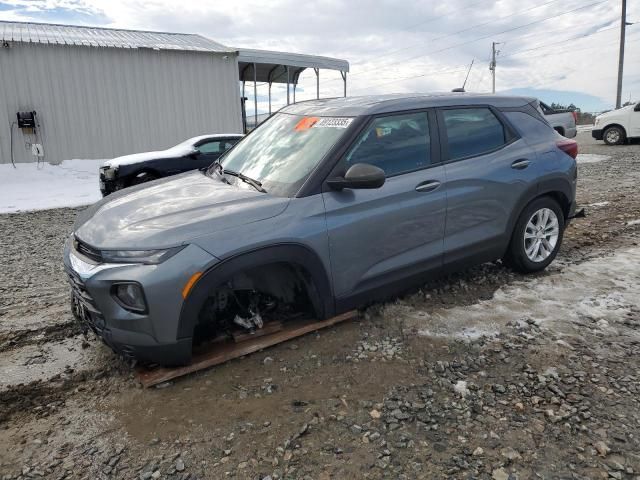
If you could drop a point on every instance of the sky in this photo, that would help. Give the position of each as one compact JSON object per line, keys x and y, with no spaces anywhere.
{"x":563,"y":51}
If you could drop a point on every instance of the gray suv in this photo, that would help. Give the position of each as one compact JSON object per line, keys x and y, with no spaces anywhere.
{"x":327,"y":206}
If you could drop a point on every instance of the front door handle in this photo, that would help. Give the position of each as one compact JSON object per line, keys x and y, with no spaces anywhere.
{"x":427,"y":186}
{"x":520,"y":164}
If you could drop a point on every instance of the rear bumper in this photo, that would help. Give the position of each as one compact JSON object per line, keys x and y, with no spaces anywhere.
{"x":597,"y":134}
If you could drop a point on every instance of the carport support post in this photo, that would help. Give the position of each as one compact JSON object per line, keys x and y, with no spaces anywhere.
{"x":294,"y":92}
{"x":344,"y":78}
{"x":288,"y":85}
{"x":317,"y":70}
{"x":255,"y":96}
{"x":269,"y":98}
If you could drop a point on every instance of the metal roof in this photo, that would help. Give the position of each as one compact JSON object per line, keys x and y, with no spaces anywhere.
{"x":374,"y":104}
{"x":272,"y":66}
{"x":48,"y":33}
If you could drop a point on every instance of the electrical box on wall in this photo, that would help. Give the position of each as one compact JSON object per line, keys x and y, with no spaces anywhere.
{"x":37,"y":150}
{"x":26,"y":120}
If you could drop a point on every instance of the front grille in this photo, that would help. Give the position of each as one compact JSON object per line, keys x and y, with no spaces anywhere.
{"x":87,"y":250}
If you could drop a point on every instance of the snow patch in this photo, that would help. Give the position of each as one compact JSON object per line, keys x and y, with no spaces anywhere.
{"x":597,"y":294}
{"x":461,"y":388}
{"x":631,"y":223}
{"x":598,"y":204}
{"x":591,"y":158}
{"x":30,"y":186}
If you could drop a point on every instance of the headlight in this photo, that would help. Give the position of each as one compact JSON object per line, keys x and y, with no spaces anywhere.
{"x":140,"y":256}
{"x":130,"y":296}
{"x":109,"y":173}
{"x":597,"y":121}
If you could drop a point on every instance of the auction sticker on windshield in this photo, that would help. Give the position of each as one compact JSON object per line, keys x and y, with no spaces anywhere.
{"x":333,"y":122}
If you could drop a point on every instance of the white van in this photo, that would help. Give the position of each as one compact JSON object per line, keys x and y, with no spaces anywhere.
{"x":618,"y":126}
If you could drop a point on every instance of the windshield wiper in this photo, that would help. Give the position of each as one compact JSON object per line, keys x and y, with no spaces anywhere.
{"x":217,"y":168}
{"x":254,"y":183}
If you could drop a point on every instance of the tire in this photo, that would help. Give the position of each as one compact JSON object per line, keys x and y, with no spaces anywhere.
{"x":523,"y":255}
{"x":614,"y":136}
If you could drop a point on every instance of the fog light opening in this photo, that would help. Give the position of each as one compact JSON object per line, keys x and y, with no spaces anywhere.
{"x":130,"y":296}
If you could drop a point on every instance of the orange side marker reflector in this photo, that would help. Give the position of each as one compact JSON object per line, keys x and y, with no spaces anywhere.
{"x":189,"y":285}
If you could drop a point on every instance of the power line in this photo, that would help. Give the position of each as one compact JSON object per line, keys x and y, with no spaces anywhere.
{"x":479,"y":38}
{"x":538,"y":47}
{"x":435,"y":39}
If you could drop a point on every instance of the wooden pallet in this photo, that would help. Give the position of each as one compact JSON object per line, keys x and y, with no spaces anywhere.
{"x":221,"y":352}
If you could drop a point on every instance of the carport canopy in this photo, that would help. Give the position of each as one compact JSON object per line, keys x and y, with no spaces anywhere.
{"x":271,"y":67}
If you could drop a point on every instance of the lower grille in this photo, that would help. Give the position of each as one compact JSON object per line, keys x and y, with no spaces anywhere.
{"x":82,"y":300}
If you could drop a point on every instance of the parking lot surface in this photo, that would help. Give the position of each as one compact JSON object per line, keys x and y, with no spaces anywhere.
{"x":483,"y":374}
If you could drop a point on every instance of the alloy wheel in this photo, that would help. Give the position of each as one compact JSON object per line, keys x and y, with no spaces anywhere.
{"x":541,"y":235}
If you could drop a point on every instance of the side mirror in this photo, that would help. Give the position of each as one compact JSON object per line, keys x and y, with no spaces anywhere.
{"x":359,"y":175}
{"x":195,"y":153}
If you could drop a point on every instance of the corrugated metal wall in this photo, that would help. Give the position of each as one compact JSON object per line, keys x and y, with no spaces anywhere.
{"x":104,"y":102}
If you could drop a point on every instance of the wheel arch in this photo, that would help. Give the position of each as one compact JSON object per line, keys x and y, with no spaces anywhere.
{"x":558,"y":189}
{"x":289,"y":253}
{"x":608,"y":126}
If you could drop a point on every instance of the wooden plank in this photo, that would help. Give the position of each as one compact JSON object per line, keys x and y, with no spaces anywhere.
{"x":267,"y":329}
{"x":221,"y":353}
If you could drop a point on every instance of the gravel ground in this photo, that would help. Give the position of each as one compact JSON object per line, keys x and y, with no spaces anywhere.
{"x":483,"y":374}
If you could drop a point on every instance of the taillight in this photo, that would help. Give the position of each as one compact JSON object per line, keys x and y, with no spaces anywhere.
{"x":570,"y":147}
{"x":575,"y":116}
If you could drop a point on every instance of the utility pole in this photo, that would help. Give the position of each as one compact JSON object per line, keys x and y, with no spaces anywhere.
{"x":492,"y":65}
{"x":623,"y":27}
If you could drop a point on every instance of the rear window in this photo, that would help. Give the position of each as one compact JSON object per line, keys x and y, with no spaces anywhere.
{"x":472,"y":132}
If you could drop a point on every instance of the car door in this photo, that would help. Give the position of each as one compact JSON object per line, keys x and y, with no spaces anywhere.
{"x":488,"y":170}
{"x":634,"y":121}
{"x":380,"y":235}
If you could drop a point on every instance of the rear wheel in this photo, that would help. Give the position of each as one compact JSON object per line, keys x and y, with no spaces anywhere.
{"x":614,"y":136}
{"x":537,"y":236}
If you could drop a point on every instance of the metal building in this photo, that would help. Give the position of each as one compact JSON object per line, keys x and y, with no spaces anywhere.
{"x":83,"y":92}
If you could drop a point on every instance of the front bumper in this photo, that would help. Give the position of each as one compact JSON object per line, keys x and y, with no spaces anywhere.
{"x":150,"y":337}
{"x":597,"y":133}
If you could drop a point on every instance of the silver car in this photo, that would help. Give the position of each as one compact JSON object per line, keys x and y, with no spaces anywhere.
{"x":328,"y":205}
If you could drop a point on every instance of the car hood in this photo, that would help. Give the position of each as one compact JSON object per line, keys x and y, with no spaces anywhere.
{"x":173,"y":211}
{"x":615,"y":113}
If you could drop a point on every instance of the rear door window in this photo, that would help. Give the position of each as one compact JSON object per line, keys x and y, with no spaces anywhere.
{"x":396,"y":143}
{"x":472,"y":131}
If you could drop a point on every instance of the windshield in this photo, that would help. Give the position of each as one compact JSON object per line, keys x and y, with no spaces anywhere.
{"x":283,"y":151}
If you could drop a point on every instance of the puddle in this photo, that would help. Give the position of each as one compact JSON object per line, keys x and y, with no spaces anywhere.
{"x":33,"y":363}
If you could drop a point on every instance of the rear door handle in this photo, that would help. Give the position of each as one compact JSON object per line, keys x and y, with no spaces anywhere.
{"x":520,"y":164}
{"x":427,"y":186}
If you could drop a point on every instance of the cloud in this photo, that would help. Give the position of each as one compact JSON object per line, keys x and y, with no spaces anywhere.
{"x":415,"y":45}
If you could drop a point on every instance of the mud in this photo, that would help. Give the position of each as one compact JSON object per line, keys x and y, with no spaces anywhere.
{"x":482,"y":374}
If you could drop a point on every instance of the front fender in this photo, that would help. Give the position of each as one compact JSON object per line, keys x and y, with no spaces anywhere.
{"x":291,"y":253}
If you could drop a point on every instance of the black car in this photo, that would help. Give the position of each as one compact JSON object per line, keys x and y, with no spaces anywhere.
{"x":195,"y":153}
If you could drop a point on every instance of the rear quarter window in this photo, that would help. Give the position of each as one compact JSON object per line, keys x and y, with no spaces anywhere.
{"x":530,"y":128}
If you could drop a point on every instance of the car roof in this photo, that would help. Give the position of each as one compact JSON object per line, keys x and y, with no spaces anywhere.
{"x":374,"y":104}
